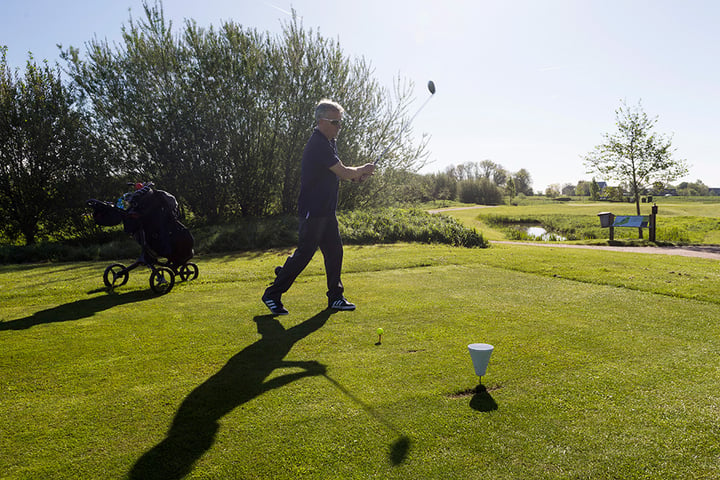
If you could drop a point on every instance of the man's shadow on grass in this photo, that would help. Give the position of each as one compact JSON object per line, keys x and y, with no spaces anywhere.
{"x":76,"y":310}
{"x":242,"y":379}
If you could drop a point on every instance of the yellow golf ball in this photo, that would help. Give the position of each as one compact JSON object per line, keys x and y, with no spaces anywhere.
{"x":380,"y":331}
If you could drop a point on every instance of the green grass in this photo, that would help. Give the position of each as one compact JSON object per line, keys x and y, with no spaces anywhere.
{"x":605,"y":366}
{"x":680,"y":221}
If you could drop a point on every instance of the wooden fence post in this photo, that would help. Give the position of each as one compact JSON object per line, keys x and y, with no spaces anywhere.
{"x":653,"y":222}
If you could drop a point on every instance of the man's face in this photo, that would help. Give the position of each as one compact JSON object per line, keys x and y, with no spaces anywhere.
{"x":330,"y":124}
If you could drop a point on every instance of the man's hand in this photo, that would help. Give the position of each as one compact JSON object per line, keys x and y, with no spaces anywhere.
{"x":366,"y":171}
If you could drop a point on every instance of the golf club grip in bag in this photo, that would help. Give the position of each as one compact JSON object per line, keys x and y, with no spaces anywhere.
{"x":105,"y":214}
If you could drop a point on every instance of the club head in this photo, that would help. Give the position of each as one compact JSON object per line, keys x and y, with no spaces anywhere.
{"x":431,"y":87}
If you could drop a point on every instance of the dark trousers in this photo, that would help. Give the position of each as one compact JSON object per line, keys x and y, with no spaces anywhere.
{"x":314,"y":233}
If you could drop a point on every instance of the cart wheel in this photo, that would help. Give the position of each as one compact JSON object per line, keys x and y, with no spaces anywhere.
{"x":115,"y":275}
{"x":162,"y":280}
{"x":188,"y":271}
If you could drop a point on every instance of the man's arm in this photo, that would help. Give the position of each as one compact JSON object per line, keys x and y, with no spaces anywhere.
{"x":352,"y":173}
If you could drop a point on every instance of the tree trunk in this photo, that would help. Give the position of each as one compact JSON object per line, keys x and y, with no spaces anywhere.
{"x":29,"y":231}
{"x":637,"y":210}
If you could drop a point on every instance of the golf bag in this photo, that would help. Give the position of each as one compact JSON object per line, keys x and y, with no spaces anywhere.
{"x":152,"y":220}
{"x":150,"y":216}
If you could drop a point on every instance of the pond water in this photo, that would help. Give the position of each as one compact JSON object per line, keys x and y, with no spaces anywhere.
{"x":541,"y":234}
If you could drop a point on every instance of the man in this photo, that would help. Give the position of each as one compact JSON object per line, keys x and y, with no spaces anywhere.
{"x":321,"y":171}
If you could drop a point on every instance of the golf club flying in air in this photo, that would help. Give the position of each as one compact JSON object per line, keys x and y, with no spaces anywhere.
{"x":431,"y":87}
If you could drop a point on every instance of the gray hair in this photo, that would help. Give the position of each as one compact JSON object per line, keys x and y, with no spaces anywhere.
{"x":326,"y":106}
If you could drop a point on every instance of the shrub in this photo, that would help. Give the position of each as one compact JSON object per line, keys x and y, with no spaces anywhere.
{"x":357,"y":227}
{"x":406,"y":225}
{"x":481,"y":191}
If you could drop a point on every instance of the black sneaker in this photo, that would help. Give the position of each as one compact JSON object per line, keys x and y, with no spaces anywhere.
{"x":341,"y":304}
{"x":275,"y":306}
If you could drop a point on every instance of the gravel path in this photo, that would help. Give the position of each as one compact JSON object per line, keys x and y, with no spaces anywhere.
{"x":700,"y":251}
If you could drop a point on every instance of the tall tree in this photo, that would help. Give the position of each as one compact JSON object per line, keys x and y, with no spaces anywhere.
{"x":220,"y":117}
{"x":510,"y":188}
{"x":523,"y":182}
{"x":583,"y":188}
{"x":635,"y":154}
{"x":444,"y":186}
{"x":150,"y":95}
{"x":51,"y":159}
{"x":594,"y":190}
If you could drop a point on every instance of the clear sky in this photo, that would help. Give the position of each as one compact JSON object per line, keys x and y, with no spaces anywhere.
{"x":530,"y":84}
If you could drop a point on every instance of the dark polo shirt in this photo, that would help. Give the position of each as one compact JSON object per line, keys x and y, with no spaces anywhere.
{"x":318,"y":184}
